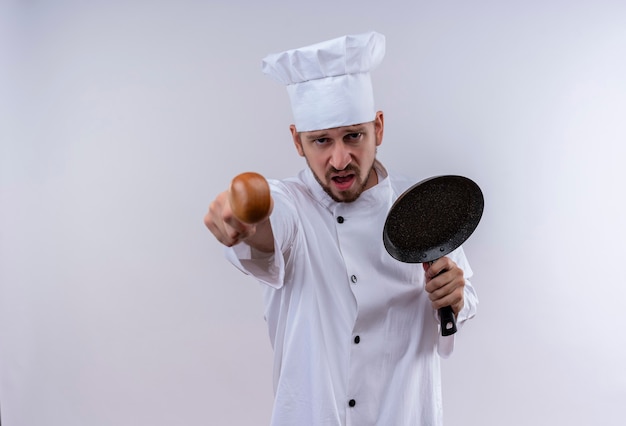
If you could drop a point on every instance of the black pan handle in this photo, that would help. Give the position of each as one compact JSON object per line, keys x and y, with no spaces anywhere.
{"x":448,"y":322}
{"x":446,"y":316}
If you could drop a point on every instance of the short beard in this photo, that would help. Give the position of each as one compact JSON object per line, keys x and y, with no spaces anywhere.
{"x":352,"y":197}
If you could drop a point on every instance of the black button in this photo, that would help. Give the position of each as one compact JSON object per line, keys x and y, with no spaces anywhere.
{"x":352,"y":403}
{"x":353,"y":279}
{"x":340,"y":219}
{"x":357,"y":339}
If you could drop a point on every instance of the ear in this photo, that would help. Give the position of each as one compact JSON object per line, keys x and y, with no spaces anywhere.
{"x":296,"y":139}
{"x":379,"y":127}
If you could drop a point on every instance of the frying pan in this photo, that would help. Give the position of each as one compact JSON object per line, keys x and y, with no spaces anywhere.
{"x":431,"y":219}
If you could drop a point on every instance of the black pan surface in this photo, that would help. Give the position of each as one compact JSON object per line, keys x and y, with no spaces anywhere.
{"x":432,"y":218}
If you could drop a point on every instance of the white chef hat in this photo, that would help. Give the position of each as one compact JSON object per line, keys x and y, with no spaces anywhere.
{"x":329,"y":84}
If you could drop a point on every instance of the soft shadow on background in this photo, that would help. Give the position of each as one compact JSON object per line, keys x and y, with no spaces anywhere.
{"x":120,"y":121}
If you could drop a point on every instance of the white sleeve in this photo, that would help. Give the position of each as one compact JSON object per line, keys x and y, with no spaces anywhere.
{"x":269,"y":269}
{"x":445,"y":345}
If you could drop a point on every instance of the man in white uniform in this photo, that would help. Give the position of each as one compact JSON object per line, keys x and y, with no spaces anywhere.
{"x":354,"y":331}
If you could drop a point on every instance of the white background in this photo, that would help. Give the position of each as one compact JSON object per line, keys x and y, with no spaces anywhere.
{"x":120,"y":121}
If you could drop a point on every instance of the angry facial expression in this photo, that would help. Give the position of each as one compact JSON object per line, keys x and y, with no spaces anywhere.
{"x":342,"y":158}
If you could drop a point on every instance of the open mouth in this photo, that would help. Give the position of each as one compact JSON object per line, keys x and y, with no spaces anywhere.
{"x":342,"y":183}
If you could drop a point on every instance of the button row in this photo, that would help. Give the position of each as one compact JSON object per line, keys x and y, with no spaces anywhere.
{"x":357,"y":339}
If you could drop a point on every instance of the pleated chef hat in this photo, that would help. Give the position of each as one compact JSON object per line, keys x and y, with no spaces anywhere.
{"x":329,"y":83}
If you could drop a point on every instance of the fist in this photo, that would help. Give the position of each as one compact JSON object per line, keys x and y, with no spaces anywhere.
{"x":445,"y":284}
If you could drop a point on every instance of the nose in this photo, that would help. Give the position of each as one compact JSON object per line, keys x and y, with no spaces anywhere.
{"x":340,"y":157}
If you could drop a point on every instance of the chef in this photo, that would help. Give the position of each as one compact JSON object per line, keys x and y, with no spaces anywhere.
{"x":355,"y":333}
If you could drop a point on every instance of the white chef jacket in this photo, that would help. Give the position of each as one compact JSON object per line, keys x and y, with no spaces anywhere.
{"x":355,"y":338}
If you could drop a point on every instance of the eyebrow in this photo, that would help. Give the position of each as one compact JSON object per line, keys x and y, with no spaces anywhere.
{"x":313,"y":136}
{"x":359,"y":128}
{"x":356,"y":129}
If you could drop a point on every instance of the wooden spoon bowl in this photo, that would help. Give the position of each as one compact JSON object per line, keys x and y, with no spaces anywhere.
{"x":250,"y":198}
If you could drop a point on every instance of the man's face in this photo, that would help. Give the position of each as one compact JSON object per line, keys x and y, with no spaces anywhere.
{"x":342,"y":158}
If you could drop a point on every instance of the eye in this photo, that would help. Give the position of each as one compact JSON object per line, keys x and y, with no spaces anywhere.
{"x":353,"y":137}
{"x":320,"y":141}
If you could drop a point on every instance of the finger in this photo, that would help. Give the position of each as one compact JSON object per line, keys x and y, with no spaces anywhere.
{"x":223,"y":226}
{"x":444,"y":284}
{"x":456,"y":306}
{"x":451,"y":294}
{"x":440,"y":272}
{"x":237,"y":235}
{"x":212,"y":222}
{"x":232,"y":223}
{"x":221,"y":233}
{"x":454,"y":299}
{"x":441,"y":280}
{"x":235,"y":224}
{"x":438,"y":266}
